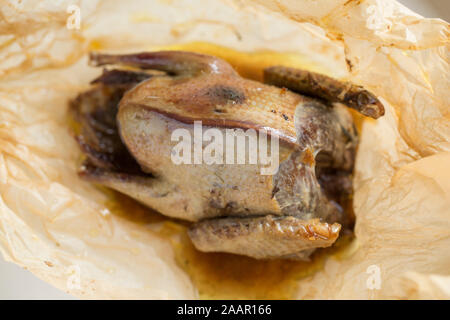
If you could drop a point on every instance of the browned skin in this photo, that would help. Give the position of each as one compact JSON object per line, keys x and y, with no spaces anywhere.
{"x":268,"y":236}
{"x":238,"y":210}
{"x":322,"y":86}
{"x":211,"y":91}
{"x":95,"y":110}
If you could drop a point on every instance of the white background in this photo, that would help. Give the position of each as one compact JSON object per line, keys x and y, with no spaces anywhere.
{"x":16,"y":283}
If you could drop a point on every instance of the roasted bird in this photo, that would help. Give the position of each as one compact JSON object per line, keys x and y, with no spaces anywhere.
{"x":127,"y":118}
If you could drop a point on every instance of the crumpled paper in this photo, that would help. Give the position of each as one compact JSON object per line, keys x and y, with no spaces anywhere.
{"x":69,"y":233}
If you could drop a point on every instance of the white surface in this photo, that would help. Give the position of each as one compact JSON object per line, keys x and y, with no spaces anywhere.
{"x":17,"y":283}
{"x":429,"y":8}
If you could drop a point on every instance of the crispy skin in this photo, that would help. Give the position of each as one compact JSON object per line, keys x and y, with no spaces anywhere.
{"x":173,"y":62}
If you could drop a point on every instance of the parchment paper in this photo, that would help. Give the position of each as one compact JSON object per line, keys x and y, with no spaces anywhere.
{"x":61,"y":228}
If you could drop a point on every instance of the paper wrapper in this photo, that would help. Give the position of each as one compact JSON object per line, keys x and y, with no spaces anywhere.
{"x":67,"y":231}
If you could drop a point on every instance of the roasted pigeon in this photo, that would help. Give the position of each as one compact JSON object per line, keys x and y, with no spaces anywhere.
{"x":125,"y":128}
